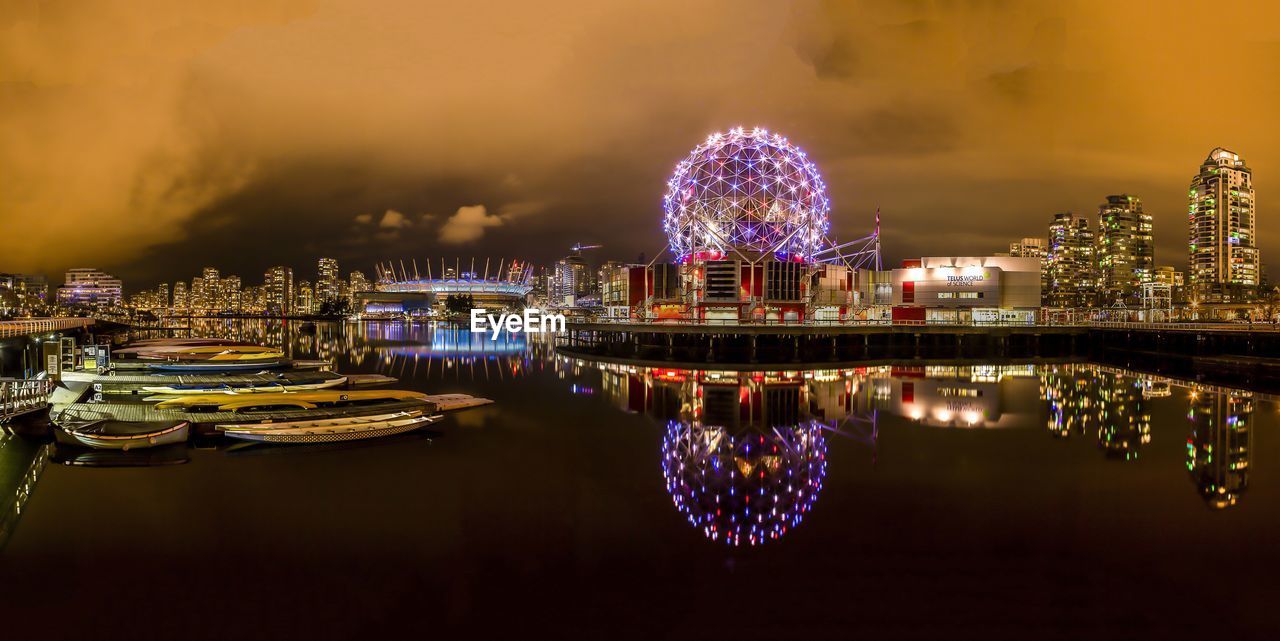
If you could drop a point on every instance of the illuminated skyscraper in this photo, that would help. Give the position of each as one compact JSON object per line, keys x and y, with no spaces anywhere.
{"x":213,"y":298}
{"x":1072,"y":271}
{"x":180,"y":295}
{"x":305,"y":302}
{"x":230,"y":294}
{"x":1126,"y":255}
{"x":1224,"y":265}
{"x":278,"y":290}
{"x":327,"y":280}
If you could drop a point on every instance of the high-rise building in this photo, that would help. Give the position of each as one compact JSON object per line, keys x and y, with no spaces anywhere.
{"x":1223,"y":261}
{"x":1126,"y":254}
{"x":213,"y":298}
{"x":305,"y":301}
{"x":278,"y":290}
{"x":180,"y":296}
{"x":1034,"y":248}
{"x":230,"y":292}
{"x":86,"y":286}
{"x":1072,"y":273}
{"x":327,"y":279}
{"x":573,"y":279}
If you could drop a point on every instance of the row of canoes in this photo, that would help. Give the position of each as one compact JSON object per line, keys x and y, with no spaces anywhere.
{"x":201,"y":354}
{"x":121,"y":435}
{"x":348,"y":415}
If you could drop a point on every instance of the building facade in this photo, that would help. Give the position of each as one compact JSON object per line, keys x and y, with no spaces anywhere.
{"x":1072,"y":271}
{"x":328,"y":280}
{"x":277,"y":285}
{"x":1125,"y":253}
{"x":1223,"y":264}
{"x":86,"y":286}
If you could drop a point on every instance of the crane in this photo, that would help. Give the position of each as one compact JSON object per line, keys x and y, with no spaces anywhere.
{"x":578,"y":247}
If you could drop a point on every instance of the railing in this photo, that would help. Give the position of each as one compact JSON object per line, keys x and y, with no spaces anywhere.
{"x":29,"y":326}
{"x":685,"y":322}
{"x":1190,"y":327}
{"x":20,"y":396}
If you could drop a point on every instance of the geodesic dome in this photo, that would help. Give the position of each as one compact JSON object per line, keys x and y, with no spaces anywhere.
{"x":747,"y":190}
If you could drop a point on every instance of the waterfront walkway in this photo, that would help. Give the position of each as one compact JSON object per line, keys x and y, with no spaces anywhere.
{"x":31,"y":326}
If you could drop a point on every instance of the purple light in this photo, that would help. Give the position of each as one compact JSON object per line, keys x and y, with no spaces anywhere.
{"x":749,"y":190}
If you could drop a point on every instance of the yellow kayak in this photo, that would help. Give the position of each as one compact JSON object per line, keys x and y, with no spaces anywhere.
{"x":301,"y":400}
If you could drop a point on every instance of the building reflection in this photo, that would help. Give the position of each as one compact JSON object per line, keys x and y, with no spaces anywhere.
{"x":1087,"y":400}
{"x":399,"y":349}
{"x":1219,"y":444}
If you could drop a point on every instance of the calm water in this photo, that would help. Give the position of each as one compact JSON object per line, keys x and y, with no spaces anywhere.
{"x":1011,"y":501}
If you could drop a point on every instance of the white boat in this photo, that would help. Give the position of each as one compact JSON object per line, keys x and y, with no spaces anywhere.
{"x":122,"y":435}
{"x":330,"y":431}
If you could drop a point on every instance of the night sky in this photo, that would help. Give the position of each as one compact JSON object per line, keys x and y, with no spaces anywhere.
{"x":151,"y":140}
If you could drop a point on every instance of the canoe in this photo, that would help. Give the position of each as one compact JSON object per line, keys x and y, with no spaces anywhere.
{"x":211,"y":353}
{"x":213,"y":366}
{"x":123,"y":435}
{"x":302,"y":400}
{"x":163,"y":391}
{"x":312,"y":423}
{"x":334,"y":433}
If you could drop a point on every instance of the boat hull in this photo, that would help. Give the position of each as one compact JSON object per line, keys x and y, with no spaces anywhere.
{"x":168,"y":436}
{"x":332,"y":434}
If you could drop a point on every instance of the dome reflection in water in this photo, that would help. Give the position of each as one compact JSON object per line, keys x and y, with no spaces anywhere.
{"x":745,"y":488}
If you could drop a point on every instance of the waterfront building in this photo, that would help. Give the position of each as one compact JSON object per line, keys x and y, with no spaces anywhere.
{"x":1176,"y":281}
{"x":229,"y":295}
{"x":1072,"y":270}
{"x":1224,"y":265}
{"x":87,"y":286}
{"x":967,"y":290}
{"x":1038,"y":249}
{"x":211,"y":298}
{"x":572,"y":279}
{"x":278,"y":291}
{"x":306,"y":302}
{"x":22,"y":292}
{"x":180,"y":300}
{"x":399,"y":291}
{"x":328,"y":279}
{"x":1125,"y":252}
{"x":621,"y":288}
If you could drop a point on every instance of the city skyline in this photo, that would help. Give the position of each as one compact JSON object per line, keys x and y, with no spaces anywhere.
{"x":183,"y":156}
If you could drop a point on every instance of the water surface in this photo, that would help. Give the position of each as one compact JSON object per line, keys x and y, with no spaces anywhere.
{"x":992,"y":501}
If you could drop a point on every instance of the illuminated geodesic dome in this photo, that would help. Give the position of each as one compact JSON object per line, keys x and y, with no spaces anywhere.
{"x":749,"y":488}
{"x":747,"y":190}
